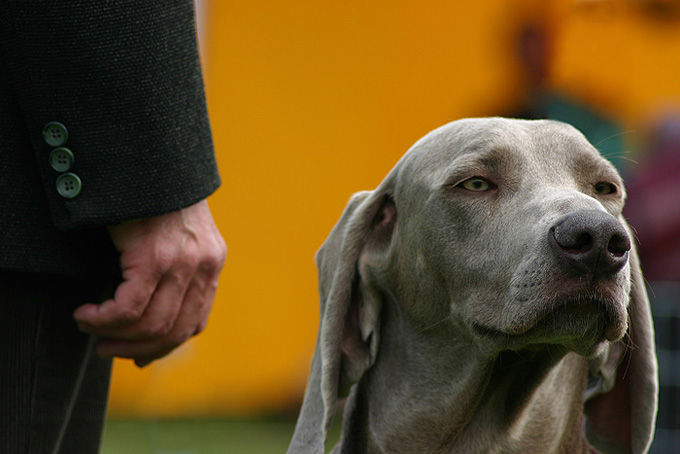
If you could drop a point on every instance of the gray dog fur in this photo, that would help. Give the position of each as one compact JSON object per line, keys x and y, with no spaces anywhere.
{"x":455,"y":327}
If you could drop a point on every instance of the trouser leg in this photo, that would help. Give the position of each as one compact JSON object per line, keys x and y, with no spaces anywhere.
{"x":53,"y":389}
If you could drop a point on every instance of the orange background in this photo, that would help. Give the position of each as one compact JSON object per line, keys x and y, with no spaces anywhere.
{"x":311,"y":101}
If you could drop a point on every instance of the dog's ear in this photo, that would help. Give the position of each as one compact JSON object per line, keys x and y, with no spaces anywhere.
{"x":620,"y":415}
{"x":348,"y":337}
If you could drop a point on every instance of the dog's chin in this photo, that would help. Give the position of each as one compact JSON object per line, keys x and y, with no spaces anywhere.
{"x":582,"y":323}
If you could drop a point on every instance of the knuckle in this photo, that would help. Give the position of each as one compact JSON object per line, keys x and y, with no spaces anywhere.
{"x":181,"y":336}
{"x":182,"y":272}
{"x":201,"y":327}
{"x":212,"y":264}
{"x":211,"y":289}
{"x":179,"y":256}
{"x":192,"y":259}
{"x":222,"y":249}
{"x":158,"y":330}
{"x":165,"y":258}
{"x":187,"y":260}
{"x":130,"y":315}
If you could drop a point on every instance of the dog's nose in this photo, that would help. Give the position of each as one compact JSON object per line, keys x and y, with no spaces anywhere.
{"x":590,"y":241}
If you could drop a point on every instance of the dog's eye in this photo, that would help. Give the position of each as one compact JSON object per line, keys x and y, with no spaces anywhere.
{"x":603,"y":188}
{"x":476,"y":184}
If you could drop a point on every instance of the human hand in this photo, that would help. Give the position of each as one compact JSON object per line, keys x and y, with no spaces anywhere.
{"x":171,"y":265}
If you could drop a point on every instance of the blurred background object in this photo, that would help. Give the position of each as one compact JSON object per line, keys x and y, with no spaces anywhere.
{"x":311,"y":101}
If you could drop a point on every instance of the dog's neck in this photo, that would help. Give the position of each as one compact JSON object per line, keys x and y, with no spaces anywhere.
{"x":517,"y":399}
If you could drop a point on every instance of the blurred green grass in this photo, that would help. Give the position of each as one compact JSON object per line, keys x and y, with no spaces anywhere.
{"x":200,"y":436}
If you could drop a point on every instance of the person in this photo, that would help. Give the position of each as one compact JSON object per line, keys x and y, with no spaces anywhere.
{"x":107,"y":246}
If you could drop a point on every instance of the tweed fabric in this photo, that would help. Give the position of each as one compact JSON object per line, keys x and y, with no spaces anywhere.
{"x":124,"y":77}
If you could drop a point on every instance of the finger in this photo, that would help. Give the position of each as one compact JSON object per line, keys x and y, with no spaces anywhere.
{"x":152,"y":349}
{"x":192,"y":318}
{"x":159,"y":316}
{"x":205,"y":292}
{"x":127,"y":306}
{"x":143,"y":362}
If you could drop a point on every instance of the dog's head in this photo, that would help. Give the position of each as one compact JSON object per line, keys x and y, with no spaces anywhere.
{"x":510,"y":231}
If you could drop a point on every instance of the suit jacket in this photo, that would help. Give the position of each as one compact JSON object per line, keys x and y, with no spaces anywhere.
{"x":102,"y":120}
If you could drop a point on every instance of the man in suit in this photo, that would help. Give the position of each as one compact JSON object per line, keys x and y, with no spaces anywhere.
{"x":107,"y":246}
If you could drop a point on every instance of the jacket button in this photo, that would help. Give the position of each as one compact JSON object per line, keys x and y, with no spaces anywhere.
{"x":69,"y":185}
{"x":55,"y":134}
{"x":61,"y":159}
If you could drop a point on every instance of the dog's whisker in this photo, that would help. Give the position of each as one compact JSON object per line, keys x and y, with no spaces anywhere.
{"x":613,"y":136}
{"x":427,"y":328}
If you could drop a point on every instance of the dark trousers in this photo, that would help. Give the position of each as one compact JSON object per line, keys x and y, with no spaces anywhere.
{"x":53,"y":388}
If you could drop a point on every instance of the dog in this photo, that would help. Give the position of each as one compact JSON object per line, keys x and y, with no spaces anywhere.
{"x":485,"y":298}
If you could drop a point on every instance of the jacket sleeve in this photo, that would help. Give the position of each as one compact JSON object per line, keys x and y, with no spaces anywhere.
{"x":119,"y":84}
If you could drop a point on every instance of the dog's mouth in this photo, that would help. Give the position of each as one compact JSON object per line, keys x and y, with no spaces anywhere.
{"x":580,"y":322}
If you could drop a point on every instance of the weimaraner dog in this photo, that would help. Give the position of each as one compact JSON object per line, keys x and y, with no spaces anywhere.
{"x":485,"y":298}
